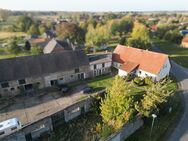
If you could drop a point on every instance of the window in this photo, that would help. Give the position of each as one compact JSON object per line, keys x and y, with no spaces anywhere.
{"x":103,"y":65}
{"x":12,"y":89}
{"x":61,"y":78}
{"x":4,"y":85}
{"x":75,"y":110}
{"x":95,"y":67}
{"x":13,"y":128}
{"x":77,"y":70}
{"x":21,"y":81}
{"x":165,"y":66}
{"x":1,"y":133}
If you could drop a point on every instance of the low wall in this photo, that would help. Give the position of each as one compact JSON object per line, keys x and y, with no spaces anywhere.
{"x":18,"y":136}
{"x":127,"y":130}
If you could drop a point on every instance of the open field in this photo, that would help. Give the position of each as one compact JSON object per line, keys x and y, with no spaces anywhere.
{"x":178,"y":54}
{"x":4,"y":35}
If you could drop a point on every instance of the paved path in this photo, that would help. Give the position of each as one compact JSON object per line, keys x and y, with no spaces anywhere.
{"x":180,"y":132}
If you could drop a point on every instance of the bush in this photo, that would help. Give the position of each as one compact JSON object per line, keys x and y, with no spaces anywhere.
{"x":128,"y":78}
{"x":138,"y":81}
{"x":148,"y":80}
{"x":104,"y":130}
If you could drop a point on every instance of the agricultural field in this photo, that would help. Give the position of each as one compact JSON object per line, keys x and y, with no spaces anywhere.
{"x":4,"y":35}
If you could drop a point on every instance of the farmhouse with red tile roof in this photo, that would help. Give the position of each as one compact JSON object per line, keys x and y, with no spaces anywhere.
{"x":140,"y":62}
{"x":184,"y":42}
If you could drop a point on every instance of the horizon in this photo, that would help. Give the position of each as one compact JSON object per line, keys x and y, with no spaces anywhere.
{"x":96,"y":6}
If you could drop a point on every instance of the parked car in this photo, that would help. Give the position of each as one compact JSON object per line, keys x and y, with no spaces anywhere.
{"x":63,"y":88}
{"x":87,"y":90}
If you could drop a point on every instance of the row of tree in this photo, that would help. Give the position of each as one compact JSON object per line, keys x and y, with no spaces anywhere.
{"x":120,"y":107}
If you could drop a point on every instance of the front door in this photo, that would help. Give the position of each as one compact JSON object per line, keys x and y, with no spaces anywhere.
{"x":28,"y":87}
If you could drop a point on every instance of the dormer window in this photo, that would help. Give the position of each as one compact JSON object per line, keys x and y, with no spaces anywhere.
{"x":5,"y":85}
{"x":21,"y":81}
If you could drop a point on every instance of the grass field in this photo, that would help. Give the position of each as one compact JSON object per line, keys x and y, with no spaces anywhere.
{"x":4,"y":35}
{"x":178,"y":54}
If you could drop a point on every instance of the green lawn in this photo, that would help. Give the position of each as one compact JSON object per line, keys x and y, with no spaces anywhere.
{"x":178,"y":54}
{"x":101,"y":81}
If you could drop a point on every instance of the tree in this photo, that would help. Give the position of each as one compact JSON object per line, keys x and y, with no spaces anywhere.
{"x":138,"y":43}
{"x":27,"y":46}
{"x":12,"y":46}
{"x":4,"y":14}
{"x":33,"y":30}
{"x":123,"y":26}
{"x":156,"y":94}
{"x":42,"y":29}
{"x":140,"y":37}
{"x":117,"y":107}
{"x":70,"y":31}
{"x":36,"y":50}
{"x":90,"y":35}
{"x":24,"y":23}
{"x":97,"y":36}
{"x":173,"y":36}
{"x":162,"y":29}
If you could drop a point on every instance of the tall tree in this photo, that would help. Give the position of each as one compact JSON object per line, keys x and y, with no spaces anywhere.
{"x":70,"y":31}
{"x":155,"y":95}
{"x":33,"y":30}
{"x":4,"y":14}
{"x":12,"y":46}
{"x":24,"y":23}
{"x":117,"y":107}
{"x":140,"y":36}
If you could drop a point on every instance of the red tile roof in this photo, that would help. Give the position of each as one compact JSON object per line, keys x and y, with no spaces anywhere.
{"x":148,"y":61}
{"x":128,"y":66}
{"x":39,"y":40}
{"x":185,"y":40}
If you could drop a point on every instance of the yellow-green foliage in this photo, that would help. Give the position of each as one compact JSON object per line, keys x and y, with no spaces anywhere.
{"x":117,"y":107}
{"x":155,"y":95}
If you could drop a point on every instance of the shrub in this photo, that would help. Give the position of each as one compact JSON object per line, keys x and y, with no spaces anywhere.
{"x":104,"y":130}
{"x":138,"y":81}
{"x":128,"y":78}
{"x":148,"y":80}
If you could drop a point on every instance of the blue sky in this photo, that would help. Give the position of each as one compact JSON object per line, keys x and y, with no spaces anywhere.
{"x":95,"y":5}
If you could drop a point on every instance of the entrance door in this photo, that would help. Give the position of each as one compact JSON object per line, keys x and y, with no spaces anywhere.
{"x":100,"y":72}
{"x":53,"y":82}
{"x":28,"y":87}
{"x":80,"y":76}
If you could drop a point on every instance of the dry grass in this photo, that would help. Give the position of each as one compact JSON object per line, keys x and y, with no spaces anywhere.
{"x":4,"y":35}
